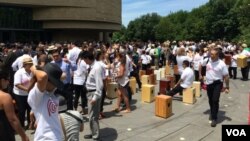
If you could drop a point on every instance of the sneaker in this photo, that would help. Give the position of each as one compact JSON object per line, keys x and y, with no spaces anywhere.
{"x":213,"y":123}
{"x":88,"y":136}
{"x":210,"y":119}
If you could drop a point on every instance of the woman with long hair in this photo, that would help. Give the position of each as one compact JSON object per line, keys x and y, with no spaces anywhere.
{"x":123,"y":83}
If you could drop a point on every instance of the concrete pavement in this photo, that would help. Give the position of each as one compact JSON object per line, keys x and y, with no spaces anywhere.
{"x":188,"y":122}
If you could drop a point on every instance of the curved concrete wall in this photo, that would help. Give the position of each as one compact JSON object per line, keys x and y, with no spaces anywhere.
{"x":75,"y":14}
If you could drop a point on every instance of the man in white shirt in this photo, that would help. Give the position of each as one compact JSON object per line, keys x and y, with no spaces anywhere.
{"x":74,"y":52}
{"x":216,"y":73}
{"x":44,"y":103}
{"x":94,"y":85}
{"x":186,"y":81}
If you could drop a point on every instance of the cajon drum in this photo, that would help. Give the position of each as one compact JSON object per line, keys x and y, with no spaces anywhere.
{"x":141,"y":73}
{"x":167,"y":70}
{"x":132,"y":84}
{"x":176,"y":71}
{"x":147,"y":93}
{"x":145,"y":79}
{"x":111,"y":90}
{"x":162,"y":72}
{"x":227,"y":59}
{"x":163,"y":106}
{"x":197,"y":86}
{"x":164,"y":85}
{"x":158,"y":74}
{"x":189,"y":95}
{"x":152,"y":79}
{"x":172,"y":80}
{"x":149,"y":71}
{"x":242,"y":61}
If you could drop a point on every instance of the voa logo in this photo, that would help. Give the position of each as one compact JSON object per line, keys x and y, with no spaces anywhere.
{"x":236,"y":132}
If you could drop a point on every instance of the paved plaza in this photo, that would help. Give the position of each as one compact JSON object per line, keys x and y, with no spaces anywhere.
{"x":188,"y":122}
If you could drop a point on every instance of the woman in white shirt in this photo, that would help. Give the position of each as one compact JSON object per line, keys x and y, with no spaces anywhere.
{"x":144,"y":60}
{"x":180,"y":58}
{"x":197,"y":61}
{"x":79,"y":80}
{"x":123,"y":83}
{"x":233,"y":65}
{"x":21,"y":87}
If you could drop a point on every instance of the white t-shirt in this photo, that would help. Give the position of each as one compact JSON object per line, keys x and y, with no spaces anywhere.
{"x":23,"y":78}
{"x":80,"y":73}
{"x":149,"y":58}
{"x":234,"y":61}
{"x":148,"y":49}
{"x":204,"y":60}
{"x":104,"y":66}
{"x":152,"y":51}
{"x":215,"y":71}
{"x":45,"y":107}
{"x":144,"y":59}
{"x":188,"y":77}
{"x":197,"y":60}
{"x":180,"y":60}
{"x":175,"y":50}
{"x":73,"y":54}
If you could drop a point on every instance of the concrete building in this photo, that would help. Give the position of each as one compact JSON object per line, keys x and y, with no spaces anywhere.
{"x":61,"y":20}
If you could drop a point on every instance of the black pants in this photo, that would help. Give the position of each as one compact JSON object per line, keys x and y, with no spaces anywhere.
{"x":196,"y":74}
{"x":135,"y":73}
{"x":213,"y":92}
{"x":144,"y":66}
{"x":129,"y":91}
{"x":80,"y":91}
{"x":23,"y":107}
{"x":103,"y":98}
{"x":245,"y":71}
{"x":67,"y":92}
{"x":175,"y":90}
{"x":177,"y":77}
{"x":232,"y":72}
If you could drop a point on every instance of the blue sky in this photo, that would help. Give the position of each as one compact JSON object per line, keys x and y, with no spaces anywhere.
{"x":132,"y":9}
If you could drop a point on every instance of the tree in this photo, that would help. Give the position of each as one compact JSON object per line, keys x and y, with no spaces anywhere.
{"x":120,"y":35}
{"x":143,"y":28}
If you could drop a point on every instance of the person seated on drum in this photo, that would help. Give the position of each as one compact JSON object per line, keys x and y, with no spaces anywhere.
{"x":186,"y":81}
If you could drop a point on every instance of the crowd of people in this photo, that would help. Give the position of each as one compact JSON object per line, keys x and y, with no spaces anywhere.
{"x":47,"y":80}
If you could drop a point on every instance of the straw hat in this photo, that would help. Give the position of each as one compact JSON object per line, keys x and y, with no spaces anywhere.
{"x":27,"y":60}
{"x":244,"y":45}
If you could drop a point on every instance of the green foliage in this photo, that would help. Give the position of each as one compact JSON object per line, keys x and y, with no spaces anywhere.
{"x":120,"y":35}
{"x":218,"y":19}
{"x":143,"y":28}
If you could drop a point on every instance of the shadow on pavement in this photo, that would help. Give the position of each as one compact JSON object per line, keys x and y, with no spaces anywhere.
{"x":221,"y":116}
{"x":108,"y":134}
